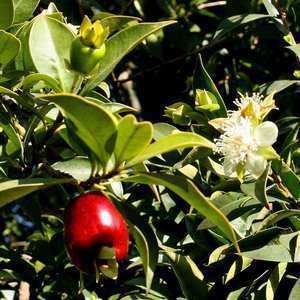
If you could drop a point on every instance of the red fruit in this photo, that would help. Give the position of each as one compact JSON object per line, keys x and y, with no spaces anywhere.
{"x":92,"y":221}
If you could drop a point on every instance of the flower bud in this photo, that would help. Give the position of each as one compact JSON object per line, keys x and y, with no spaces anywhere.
{"x":89,"y":47}
{"x":179,"y":113}
{"x":206,"y":101}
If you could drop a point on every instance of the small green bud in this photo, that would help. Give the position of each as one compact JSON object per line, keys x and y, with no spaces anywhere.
{"x":89,"y":47}
{"x":179,"y":113}
{"x":206,"y":101}
{"x":93,"y":35}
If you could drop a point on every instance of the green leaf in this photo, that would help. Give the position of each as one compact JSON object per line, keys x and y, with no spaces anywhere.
{"x":49,"y":46}
{"x":189,"y":276}
{"x":234,"y":22}
{"x":9,"y":47}
{"x":278,"y":216}
{"x":295,"y":49}
{"x":188,"y":191}
{"x":276,"y":86}
{"x":144,"y":237}
{"x":239,"y":265}
{"x":119,"y":45}
{"x":257,"y":189}
{"x":229,"y":204}
{"x":274,"y":280}
{"x":32,"y":79}
{"x":89,"y":295}
{"x":257,"y":240}
{"x":23,"y":60}
{"x":12,"y":190}
{"x":79,"y":168}
{"x":290,"y":180}
{"x":279,"y":249}
{"x":175,"y":141}
{"x":117,"y":108}
{"x":295,"y":293}
{"x":6,"y":13}
{"x":15,"y":96}
{"x":14,"y":145}
{"x":132,"y":138}
{"x":24,"y":9}
{"x":203,"y":81}
{"x":114,"y":22}
{"x":271,"y":9}
{"x":163,"y":129}
{"x":92,"y":124}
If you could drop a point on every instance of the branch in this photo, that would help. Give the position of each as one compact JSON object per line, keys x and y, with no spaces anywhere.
{"x":170,"y":61}
{"x":211,"y":4}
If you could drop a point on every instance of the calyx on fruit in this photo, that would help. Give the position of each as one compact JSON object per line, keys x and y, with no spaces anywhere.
{"x":89,"y":46}
{"x":96,"y":235}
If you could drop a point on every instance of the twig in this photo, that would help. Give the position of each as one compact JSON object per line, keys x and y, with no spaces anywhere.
{"x":124,"y":9}
{"x":211,"y":4}
{"x":24,"y":291}
{"x":170,"y":61}
{"x":52,"y":130}
{"x":283,"y":17}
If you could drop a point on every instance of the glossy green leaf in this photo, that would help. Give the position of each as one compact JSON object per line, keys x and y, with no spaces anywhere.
{"x":203,"y":81}
{"x":295,"y":49}
{"x":257,"y":189}
{"x":144,"y":237}
{"x":229,"y":204}
{"x":132,"y":138}
{"x":9,"y":47}
{"x":114,"y":22}
{"x":278,"y":216}
{"x":89,"y":295}
{"x":12,"y":190}
{"x":14,"y":145}
{"x":32,"y":79}
{"x":257,"y":240}
{"x":237,"y":294}
{"x":23,"y":61}
{"x":117,"y":108}
{"x":79,"y":168}
{"x":15,"y":96}
{"x":163,"y":129}
{"x":24,"y":9}
{"x":279,"y":249}
{"x":277,"y":86}
{"x":119,"y":45}
{"x":290,"y":180}
{"x":92,"y":124}
{"x":175,"y":141}
{"x":49,"y":46}
{"x":189,"y":276}
{"x":6,"y":13}
{"x":274,"y":280}
{"x":271,"y":9}
{"x":188,"y":191}
{"x":295,"y":292}
{"x":234,"y":22}
{"x":239,"y":265}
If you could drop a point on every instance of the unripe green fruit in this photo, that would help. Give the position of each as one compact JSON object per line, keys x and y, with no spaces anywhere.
{"x":84,"y":58}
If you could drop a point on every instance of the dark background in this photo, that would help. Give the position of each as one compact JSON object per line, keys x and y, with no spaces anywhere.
{"x":162,"y":70}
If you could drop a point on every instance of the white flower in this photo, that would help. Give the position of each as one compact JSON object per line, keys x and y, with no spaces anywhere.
{"x":241,"y":144}
{"x":255,"y":106}
{"x":245,"y":100}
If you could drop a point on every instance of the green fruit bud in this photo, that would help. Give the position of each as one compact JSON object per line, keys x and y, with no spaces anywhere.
{"x":205,"y":100}
{"x":84,"y":58}
{"x":93,"y":35}
{"x":89,"y":47}
{"x":179,"y":113}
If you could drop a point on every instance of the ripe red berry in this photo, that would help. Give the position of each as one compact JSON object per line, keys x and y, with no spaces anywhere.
{"x":92,"y":221}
